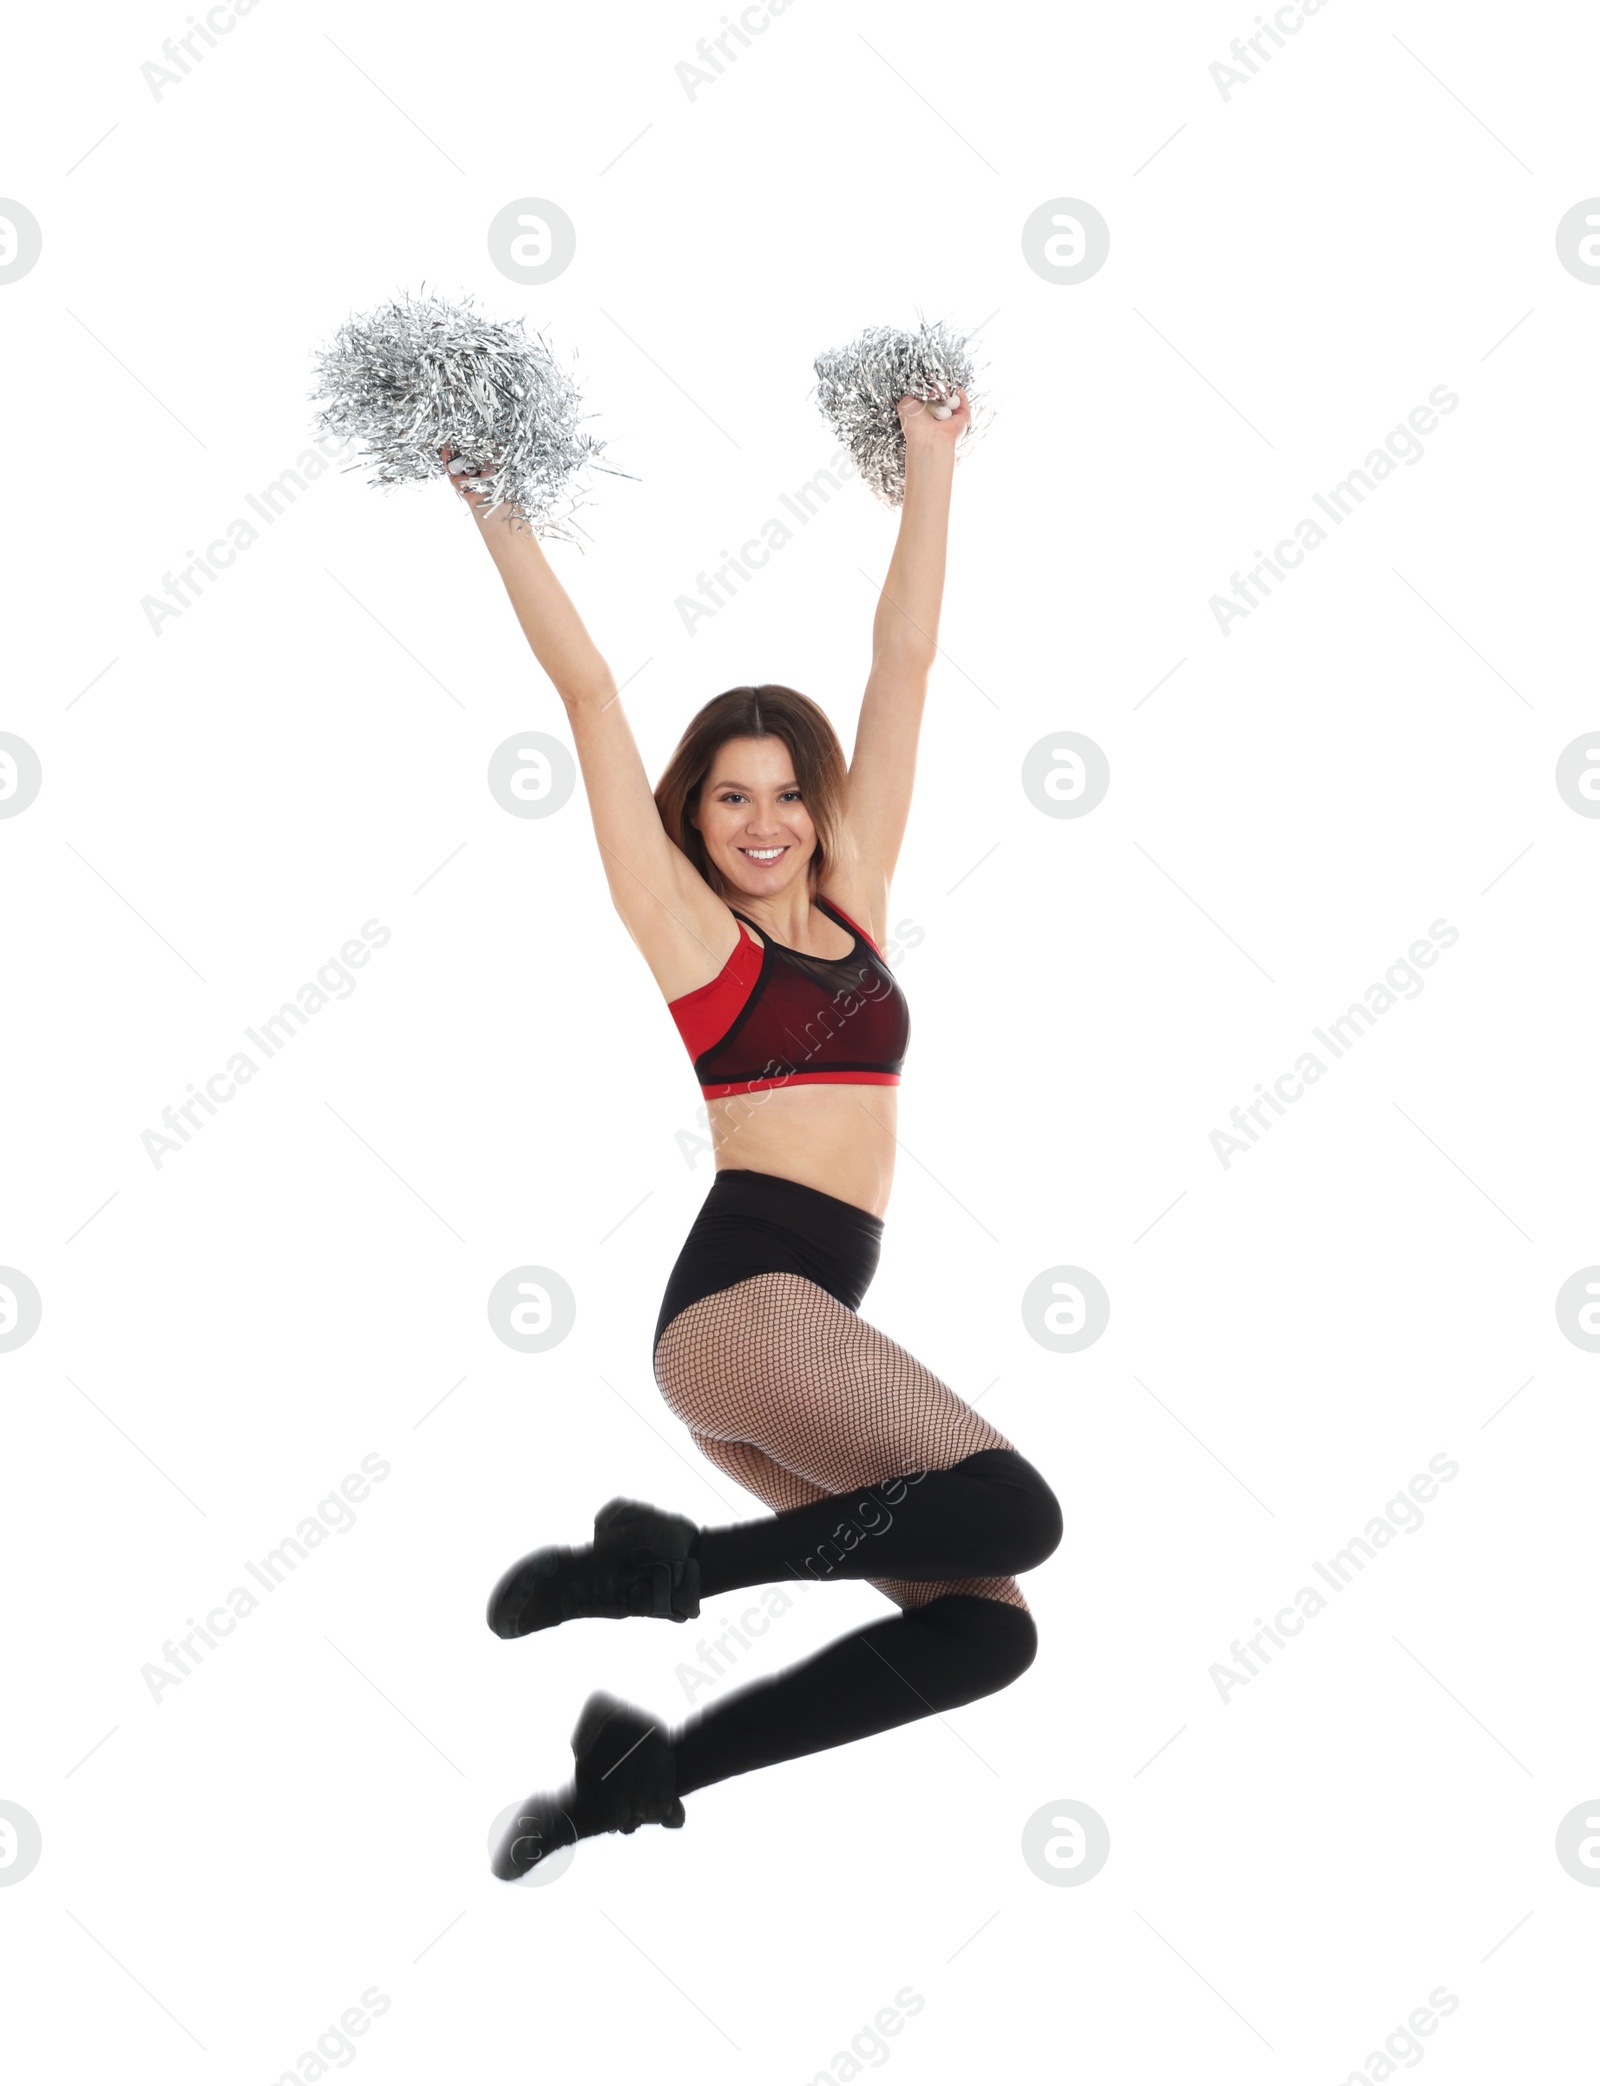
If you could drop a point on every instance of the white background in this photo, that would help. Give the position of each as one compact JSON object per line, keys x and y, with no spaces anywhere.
{"x":1292,"y":1872}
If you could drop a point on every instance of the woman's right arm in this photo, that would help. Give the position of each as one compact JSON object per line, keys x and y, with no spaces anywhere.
{"x":683,"y":930}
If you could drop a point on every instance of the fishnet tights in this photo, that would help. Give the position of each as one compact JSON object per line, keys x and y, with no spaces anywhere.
{"x":793,"y":1394}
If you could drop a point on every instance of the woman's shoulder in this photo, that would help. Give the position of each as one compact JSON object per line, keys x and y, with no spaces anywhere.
{"x":858,"y":906}
{"x":859,"y":890}
{"x":692,"y":937}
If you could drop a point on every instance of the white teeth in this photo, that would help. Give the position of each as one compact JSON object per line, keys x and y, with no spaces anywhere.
{"x":763,"y":854}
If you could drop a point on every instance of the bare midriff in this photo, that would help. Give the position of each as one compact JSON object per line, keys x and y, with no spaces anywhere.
{"x":839,"y":1139}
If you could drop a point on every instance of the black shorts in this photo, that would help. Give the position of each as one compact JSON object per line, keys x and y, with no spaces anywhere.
{"x":760,"y":1223}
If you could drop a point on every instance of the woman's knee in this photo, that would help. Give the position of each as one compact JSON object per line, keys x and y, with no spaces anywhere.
{"x":1042,"y":1524}
{"x":999,"y":1641}
{"x":1015,"y":1642}
{"x":1032,"y":1513}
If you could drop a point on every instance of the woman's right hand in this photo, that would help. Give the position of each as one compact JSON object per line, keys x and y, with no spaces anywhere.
{"x":458,"y":470}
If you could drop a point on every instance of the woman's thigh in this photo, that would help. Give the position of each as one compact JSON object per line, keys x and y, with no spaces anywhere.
{"x":776,"y":1361}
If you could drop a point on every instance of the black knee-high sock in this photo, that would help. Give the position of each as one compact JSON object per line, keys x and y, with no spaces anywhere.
{"x":891,"y":1672}
{"x":989,"y":1515}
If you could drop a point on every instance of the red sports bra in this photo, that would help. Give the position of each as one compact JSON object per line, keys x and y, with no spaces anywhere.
{"x":777,"y":1017}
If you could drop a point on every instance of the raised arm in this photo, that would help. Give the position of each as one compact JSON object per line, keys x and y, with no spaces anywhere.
{"x":682,"y":929}
{"x":905,"y":633}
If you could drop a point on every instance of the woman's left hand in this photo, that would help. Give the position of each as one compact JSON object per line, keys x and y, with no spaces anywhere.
{"x":924,"y":431}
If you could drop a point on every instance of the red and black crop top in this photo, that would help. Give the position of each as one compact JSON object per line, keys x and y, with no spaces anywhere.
{"x":777,"y":1017}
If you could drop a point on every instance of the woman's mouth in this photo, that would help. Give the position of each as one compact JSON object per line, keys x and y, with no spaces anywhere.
{"x":763,"y":854}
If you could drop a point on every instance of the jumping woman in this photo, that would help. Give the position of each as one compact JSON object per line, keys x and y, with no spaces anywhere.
{"x":755,"y":882}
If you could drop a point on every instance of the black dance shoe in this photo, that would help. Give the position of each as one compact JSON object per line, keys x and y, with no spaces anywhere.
{"x":624,"y":1777}
{"x":638,"y":1564}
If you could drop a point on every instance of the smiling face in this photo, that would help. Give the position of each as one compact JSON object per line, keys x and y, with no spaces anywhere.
{"x":750,"y":815}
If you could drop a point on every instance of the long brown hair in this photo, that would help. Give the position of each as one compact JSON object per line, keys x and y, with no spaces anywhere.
{"x":768,"y":712}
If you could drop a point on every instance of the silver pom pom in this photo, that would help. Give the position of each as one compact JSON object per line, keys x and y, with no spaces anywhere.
{"x":858,"y":386}
{"x":415,"y":376}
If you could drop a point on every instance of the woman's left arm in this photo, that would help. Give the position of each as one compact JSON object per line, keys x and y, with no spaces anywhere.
{"x":905,"y":633}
